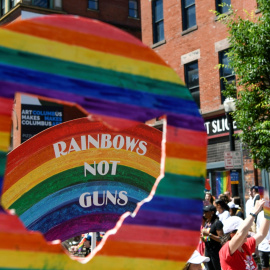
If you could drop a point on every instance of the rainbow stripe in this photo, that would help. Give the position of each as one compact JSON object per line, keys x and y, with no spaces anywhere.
{"x":44,"y":189}
{"x":223,"y":182}
{"x":5,"y":129}
{"x":115,"y":77}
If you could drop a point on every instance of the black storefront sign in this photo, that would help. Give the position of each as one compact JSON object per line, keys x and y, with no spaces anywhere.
{"x":218,"y":126}
{"x":35,"y":118}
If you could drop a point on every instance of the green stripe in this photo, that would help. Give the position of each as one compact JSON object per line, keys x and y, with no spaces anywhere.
{"x":92,"y":74}
{"x":76,"y":176}
{"x":181,"y":186}
{"x":3,"y":159}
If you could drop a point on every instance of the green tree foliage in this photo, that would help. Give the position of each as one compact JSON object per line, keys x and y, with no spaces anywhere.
{"x":250,"y":58}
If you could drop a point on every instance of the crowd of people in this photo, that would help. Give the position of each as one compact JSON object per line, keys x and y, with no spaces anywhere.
{"x":231,"y":238}
{"x":82,"y":245}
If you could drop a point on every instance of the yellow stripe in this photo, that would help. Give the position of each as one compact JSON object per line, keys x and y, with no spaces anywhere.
{"x":73,"y":160}
{"x":53,"y":49}
{"x":123,"y":263}
{"x":4,"y":141}
{"x":185,"y":167}
{"x":50,"y":261}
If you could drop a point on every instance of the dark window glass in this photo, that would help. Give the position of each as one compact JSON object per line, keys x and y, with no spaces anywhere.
{"x":225,"y":72}
{"x":192,"y":80}
{"x":189,"y":13}
{"x":223,"y":9}
{"x":11,"y":4}
{"x":158,"y":22}
{"x":2,"y":6}
{"x":133,"y":9}
{"x":93,"y":4}
{"x":41,"y":3}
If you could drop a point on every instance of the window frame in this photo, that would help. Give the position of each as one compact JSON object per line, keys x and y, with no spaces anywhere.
{"x":135,"y":10}
{"x":219,"y":9}
{"x":2,"y":8}
{"x":155,"y":23}
{"x":93,"y":1}
{"x":187,"y":81}
{"x":221,"y":73}
{"x":185,"y":16}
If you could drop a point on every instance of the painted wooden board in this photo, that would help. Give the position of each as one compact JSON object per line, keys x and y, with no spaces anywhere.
{"x":81,"y":176}
{"x":122,"y":82}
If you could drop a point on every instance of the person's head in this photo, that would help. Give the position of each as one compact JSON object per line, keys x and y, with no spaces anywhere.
{"x":221,"y":205}
{"x":195,"y":261}
{"x":233,"y":208}
{"x":208,"y":197}
{"x":87,"y":242}
{"x":237,"y":201}
{"x":230,"y":227}
{"x":224,"y":197}
{"x":228,"y":194}
{"x":209,"y":212}
{"x":254,"y":190}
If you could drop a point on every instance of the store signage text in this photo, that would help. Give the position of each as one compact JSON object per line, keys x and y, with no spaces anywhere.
{"x":218,"y":126}
{"x":103,"y":167}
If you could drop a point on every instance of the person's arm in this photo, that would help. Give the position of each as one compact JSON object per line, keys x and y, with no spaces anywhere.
{"x":242,"y":232}
{"x":263,"y":230}
{"x":218,"y":225}
{"x":216,"y":237}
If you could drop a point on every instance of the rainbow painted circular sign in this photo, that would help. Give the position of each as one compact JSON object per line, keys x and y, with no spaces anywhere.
{"x":81,"y":176}
{"x":115,"y":77}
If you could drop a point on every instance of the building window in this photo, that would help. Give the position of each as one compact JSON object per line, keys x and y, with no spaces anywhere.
{"x":158,"y":21}
{"x":189,"y":13}
{"x":226,"y":73}
{"x":41,"y":3}
{"x":222,"y":6}
{"x":192,"y":80}
{"x":11,"y":4}
{"x":2,"y":6}
{"x":133,"y":8}
{"x":93,"y":4}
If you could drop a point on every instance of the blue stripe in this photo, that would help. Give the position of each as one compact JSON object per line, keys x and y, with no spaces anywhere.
{"x":74,"y":210}
{"x":71,"y":194}
{"x":100,"y":91}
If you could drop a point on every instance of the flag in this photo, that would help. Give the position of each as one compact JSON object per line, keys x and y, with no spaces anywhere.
{"x":223,"y":182}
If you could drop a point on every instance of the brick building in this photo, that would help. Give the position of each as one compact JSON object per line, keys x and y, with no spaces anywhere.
{"x":187,"y":35}
{"x":124,"y":14}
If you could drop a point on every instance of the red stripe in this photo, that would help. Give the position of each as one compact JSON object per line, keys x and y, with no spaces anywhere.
{"x":87,"y":26}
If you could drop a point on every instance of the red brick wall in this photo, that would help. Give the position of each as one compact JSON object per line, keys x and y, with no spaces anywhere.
{"x":111,"y":11}
{"x":209,"y":31}
{"x":204,"y":38}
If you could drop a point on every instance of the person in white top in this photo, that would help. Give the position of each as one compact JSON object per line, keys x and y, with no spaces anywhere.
{"x":249,"y":204}
{"x":264,"y":246}
{"x":222,"y":210}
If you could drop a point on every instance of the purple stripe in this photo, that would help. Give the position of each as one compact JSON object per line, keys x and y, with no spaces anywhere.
{"x":161,"y":219}
{"x":186,"y":121}
{"x":80,"y":225}
{"x":102,"y":107}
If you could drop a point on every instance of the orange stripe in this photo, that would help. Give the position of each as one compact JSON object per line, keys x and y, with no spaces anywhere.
{"x":29,"y":163}
{"x":5,"y":123}
{"x":147,"y":250}
{"x":184,"y":151}
{"x":184,"y":136}
{"x":28,"y":242}
{"x":89,"y":41}
{"x":156,"y":235}
{"x":76,"y":128}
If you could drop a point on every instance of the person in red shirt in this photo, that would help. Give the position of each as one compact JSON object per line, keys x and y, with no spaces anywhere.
{"x":237,"y":249}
